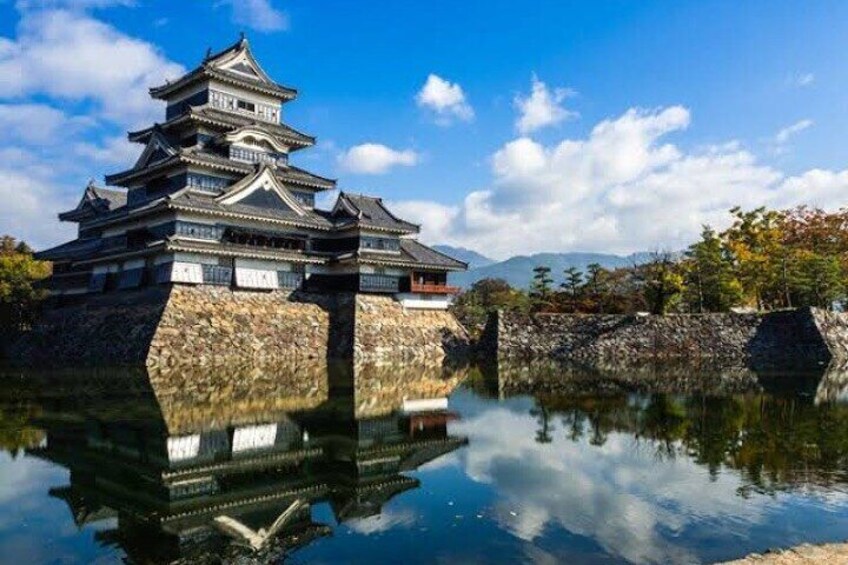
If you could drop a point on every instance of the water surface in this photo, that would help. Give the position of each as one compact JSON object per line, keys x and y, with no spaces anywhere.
{"x":421,"y":464}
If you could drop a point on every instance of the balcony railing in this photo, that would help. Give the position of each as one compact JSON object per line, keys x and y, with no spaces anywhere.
{"x":419,"y":288}
{"x":379,"y":283}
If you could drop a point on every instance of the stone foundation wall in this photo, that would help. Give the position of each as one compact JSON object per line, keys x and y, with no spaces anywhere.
{"x":384,"y":329}
{"x":179,"y":325}
{"x":204,"y":325}
{"x":112,"y":329}
{"x":804,"y":336}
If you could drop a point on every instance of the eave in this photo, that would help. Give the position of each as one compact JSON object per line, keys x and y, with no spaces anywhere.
{"x":299,"y":141}
{"x":205,"y":72}
{"x":250,"y":217}
{"x":389,"y":262}
{"x":124,"y":254}
{"x":358,"y":225}
{"x":221,"y":164}
{"x":228,"y":251}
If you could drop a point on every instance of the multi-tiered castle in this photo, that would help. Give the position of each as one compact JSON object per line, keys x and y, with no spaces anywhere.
{"x":214,"y":199}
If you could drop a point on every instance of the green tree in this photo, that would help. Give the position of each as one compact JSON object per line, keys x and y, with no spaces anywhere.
{"x":540,"y":289}
{"x":710,"y":283}
{"x":19,"y":299}
{"x":573,"y":279}
{"x":473,"y":306}
{"x":662,"y":282}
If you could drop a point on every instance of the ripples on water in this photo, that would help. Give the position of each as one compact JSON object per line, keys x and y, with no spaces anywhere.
{"x":410,"y":463}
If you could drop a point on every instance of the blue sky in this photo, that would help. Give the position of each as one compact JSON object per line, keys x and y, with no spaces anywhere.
{"x":544,"y":126}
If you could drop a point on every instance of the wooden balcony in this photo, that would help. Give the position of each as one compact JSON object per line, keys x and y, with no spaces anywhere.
{"x":419,"y":288}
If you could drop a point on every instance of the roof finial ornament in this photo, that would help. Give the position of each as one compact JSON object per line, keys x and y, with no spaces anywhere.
{"x":208,"y":52}
{"x":242,"y":39}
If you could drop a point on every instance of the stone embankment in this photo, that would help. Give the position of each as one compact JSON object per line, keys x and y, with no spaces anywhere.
{"x":211,"y":326}
{"x":804,"y":336}
{"x":831,"y":554}
{"x":216,"y":325}
{"x":386,"y":330}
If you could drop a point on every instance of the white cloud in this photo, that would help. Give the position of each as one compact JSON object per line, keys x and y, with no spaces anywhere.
{"x":621,"y":189}
{"x":803,"y":79}
{"x":67,"y":58}
{"x":542,"y":107}
{"x":784,"y":134}
{"x":436,"y":220}
{"x":71,"y":56}
{"x":375,"y":158}
{"x":259,"y":15}
{"x":617,"y":495}
{"x":446,"y":99}
{"x":387,"y":519}
{"x":113,"y":151}
{"x":39,"y":123}
{"x":30,"y":201}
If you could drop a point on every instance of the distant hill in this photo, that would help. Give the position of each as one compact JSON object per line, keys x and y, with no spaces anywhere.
{"x":475,"y":260}
{"x":518,"y":271}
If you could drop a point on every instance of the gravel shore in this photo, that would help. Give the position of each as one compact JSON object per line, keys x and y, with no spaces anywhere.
{"x":831,"y":554}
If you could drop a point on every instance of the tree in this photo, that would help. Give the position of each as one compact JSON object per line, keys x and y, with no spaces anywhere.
{"x":540,"y":289}
{"x":710,"y":284}
{"x":19,"y":300}
{"x":473,"y":306}
{"x":662,"y":282}
{"x":595,"y":285}
{"x":755,"y":243}
{"x":573,"y":278}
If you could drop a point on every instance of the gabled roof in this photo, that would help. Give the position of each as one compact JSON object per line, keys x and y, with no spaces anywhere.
{"x":199,"y":157}
{"x":235,"y":65}
{"x":226,"y":121}
{"x":206,"y":204}
{"x":158,"y":149}
{"x":95,"y":200}
{"x":413,"y":254}
{"x":263,"y":180}
{"x":357,"y":210}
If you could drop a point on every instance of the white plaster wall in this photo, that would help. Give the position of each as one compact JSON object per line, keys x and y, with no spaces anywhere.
{"x":423,"y":301}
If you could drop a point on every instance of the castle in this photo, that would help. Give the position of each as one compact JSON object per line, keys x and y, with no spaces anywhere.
{"x":214,"y":199}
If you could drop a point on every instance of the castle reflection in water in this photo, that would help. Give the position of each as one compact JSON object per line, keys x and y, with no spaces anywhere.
{"x":157,"y":458}
{"x":163,"y":462}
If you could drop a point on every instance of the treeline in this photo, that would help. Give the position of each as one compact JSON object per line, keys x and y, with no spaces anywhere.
{"x":766,"y":260}
{"x":20,"y":300}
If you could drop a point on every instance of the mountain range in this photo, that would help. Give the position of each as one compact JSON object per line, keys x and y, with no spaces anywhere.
{"x":518,"y":270}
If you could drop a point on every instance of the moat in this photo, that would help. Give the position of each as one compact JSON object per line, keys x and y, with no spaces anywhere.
{"x":542,"y":463}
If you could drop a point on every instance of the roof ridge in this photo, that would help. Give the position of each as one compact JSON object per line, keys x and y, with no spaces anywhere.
{"x":436,"y":251}
{"x":240,"y":44}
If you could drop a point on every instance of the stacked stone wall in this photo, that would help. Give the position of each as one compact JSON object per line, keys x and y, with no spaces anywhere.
{"x":112,"y":329}
{"x":203,"y":325}
{"x":384,"y":329}
{"x":179,"y":325}
{"x":804,"y":336}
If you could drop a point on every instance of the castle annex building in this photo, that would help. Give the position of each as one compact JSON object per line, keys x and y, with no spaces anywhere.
{"x":214,"y":199}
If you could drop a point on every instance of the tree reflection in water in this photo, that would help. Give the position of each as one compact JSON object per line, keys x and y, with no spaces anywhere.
{"x":782,"y":433}
{"x":154,"y":458}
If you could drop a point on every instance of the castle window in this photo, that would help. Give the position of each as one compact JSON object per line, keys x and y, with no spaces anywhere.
{"x":266,"y":112}
{"x":245,"y":105}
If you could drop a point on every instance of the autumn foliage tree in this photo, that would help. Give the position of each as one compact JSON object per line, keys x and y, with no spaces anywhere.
{"x":765,"y":260}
